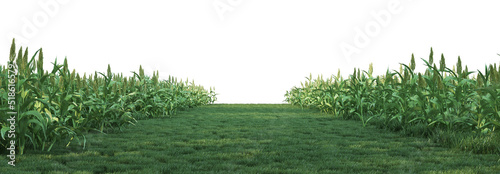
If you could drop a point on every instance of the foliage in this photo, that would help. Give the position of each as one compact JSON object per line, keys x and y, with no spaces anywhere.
{"x":61,"y":104}
{"x":440,"y":99}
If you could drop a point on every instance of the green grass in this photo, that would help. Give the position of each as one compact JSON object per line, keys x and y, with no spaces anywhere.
{"x":252,"y":139}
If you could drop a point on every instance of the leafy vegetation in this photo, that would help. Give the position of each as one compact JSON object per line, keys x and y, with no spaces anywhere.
{"x":267,"y":138}
{"x":61,"y":104}
{"x":451,"y":106}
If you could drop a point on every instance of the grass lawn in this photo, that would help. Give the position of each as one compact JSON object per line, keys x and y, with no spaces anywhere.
{"x":234,"y":138}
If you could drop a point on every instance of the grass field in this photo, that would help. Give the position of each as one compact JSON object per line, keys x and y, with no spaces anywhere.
{"x":231,"y":138}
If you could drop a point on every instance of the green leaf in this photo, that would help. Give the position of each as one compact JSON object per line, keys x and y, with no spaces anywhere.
{"x":4,"y":130}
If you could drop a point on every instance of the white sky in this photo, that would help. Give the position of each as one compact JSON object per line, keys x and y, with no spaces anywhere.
{"x":260,"y":48}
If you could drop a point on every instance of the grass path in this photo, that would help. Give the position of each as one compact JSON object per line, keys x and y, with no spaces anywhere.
{"x":252,"y":139}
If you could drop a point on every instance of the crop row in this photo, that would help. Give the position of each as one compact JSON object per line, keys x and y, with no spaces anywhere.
{"x":439,"y":100}
{"x":62,"y":105}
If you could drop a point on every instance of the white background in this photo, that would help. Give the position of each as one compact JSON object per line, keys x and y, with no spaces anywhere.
{"x":251,"y":51}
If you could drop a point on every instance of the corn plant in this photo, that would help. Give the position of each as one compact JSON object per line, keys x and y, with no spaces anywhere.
{"x":60,"y":105}
{"x":440,"y":98}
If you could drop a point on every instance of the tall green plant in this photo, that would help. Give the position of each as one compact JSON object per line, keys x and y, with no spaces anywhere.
{"x":60,"y":106}
{"x":438,"y":99}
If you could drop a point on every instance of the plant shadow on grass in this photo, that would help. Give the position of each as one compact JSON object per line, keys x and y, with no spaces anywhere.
{"x":226,"y":138}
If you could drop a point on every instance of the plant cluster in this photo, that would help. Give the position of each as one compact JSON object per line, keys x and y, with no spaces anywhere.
{"x":60,"y":104}
{"x":426,"y":104}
